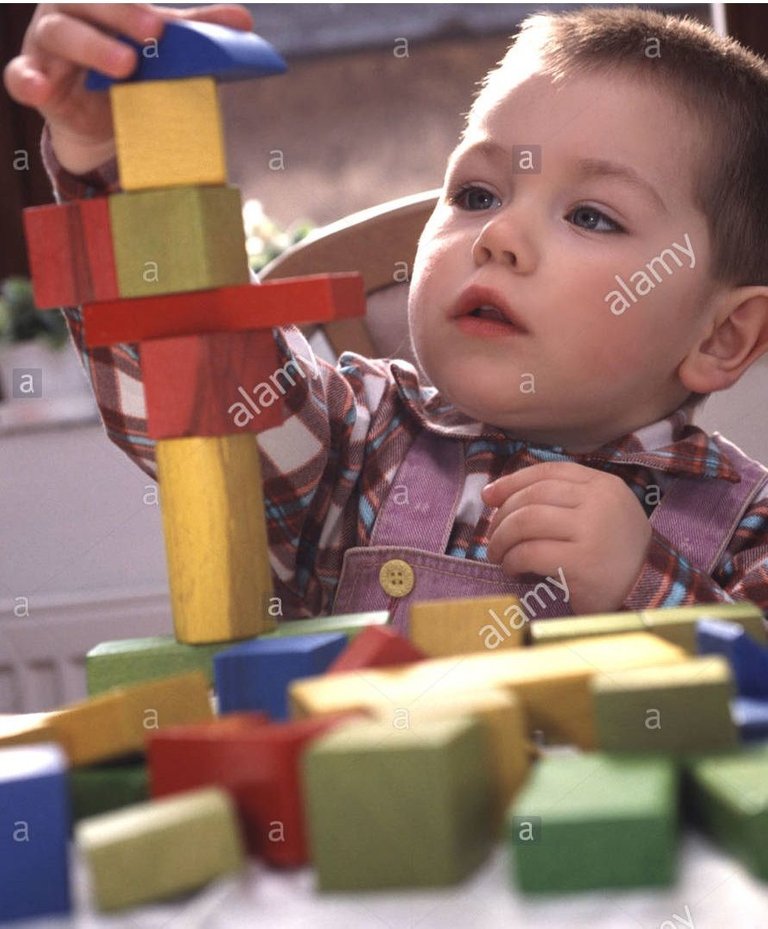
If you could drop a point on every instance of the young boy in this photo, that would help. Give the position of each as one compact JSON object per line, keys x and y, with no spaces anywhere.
{"x":596,"y":265}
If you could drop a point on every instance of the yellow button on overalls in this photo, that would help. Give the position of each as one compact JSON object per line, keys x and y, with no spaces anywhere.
{"x":396,"y":577}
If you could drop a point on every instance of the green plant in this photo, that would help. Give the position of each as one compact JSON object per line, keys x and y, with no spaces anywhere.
{"x":21,"y":321}
{"x":265,"y":240}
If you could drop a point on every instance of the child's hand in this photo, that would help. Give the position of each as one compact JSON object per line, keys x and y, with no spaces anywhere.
{"x":63,"y":41}
{"x":565,"y":515}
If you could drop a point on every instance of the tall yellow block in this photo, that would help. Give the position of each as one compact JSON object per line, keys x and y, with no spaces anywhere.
{"x":458,"y":627}
{"x":215,"y":537}
{"x":168,"y":133}
{"x":551,"y":681}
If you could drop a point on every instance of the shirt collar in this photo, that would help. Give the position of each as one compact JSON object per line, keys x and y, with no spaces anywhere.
{"x":671,"y":444}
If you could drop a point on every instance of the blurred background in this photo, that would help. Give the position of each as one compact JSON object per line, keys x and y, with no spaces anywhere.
{"x":371,"y":106}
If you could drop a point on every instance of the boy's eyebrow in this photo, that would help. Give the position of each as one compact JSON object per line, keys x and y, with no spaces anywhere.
{"x":585,"y":168}
{"x":597,"y":167}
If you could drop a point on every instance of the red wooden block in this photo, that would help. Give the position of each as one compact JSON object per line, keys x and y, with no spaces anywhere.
{"x":259,"y":765}
{"x":220,"y":383}
{"x":316,"y":298}
{"x":70,"y":250}
{"x":376,"y":647}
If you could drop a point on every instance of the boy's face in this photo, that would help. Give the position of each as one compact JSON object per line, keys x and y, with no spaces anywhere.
{"x":591,"y":361}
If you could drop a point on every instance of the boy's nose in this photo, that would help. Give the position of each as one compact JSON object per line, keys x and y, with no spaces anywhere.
{"x":500,"y":240}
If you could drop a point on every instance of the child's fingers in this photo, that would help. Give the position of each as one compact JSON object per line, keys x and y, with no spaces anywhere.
{"x":25,"y":83}
{"x":64,"y":38}
{"x":224,"y":14}
{"x":138,"y":21}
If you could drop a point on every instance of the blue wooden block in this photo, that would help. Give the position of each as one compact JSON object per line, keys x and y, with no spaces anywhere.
{"x":751,"y":718}
{"x":35,"y":821}
{"x":255,"y":675}
{"x":748,"y":659}
{"x":188,"y":49}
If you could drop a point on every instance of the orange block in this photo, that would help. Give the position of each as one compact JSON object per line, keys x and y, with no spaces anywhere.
{"x":221,"y":383}
{"x":316,"y":298}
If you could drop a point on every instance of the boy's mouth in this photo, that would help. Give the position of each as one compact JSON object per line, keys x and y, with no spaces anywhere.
{"x":484,"y":306}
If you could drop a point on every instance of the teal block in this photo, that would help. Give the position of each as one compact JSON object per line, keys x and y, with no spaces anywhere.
{"x":399,"y":808}
{"x":592,"y":821}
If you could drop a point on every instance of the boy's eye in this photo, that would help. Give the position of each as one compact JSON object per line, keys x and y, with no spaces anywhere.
{"x":591,"y":218}
{"x":471,"y":197}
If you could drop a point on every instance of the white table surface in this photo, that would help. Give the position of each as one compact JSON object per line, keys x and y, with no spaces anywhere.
{"x":712,"y":892}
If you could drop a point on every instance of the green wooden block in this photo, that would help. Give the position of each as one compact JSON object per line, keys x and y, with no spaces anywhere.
{"x":103,"y":788}
{"x":678,"y":624}
{"x":549,"y":631}
{"x":391,"y":807}
{"x":351,"y":624}
{"x":675,"y":708}
{"x":158,"y":850}
{"x":129,"y":661}
{"x":593,"y":820}
{"x":727,"y":797}
{"x":178,"y":239}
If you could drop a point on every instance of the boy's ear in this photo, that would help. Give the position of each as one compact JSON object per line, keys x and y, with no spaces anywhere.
{"x":739,"y":338}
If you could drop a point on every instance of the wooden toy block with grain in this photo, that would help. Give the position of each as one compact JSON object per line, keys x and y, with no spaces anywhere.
{"x":399,"y":808}
{"x":258,"y":764}
{"x":34,"y":837}
{"x":592,"y":821}
{"x":256,"y":675}
{"x":153,"y":851}
{"x":457,"y":627}
{"x":677,"y":708}
{"x":119,"y":721}
{"x":552,"y":682}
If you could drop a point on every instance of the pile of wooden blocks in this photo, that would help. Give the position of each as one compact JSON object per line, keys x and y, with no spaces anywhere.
{"x":389,"y":761}
{"x":386,"y":761}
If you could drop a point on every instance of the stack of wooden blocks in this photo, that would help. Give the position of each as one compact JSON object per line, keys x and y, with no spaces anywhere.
{"x":384,"y":760}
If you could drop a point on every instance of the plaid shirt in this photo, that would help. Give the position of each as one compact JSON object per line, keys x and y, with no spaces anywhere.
{"x":329,"y":466}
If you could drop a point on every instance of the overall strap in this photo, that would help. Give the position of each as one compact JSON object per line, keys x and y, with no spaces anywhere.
{"x":420,"y":506}
{"x":698,"y":516}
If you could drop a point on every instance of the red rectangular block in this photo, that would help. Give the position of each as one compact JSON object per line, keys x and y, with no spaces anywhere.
{"x":259,"y":765}
{"x":70,"y":251}
{"x":376,"y":647}
{"x":316,"y":298}
{"x":220,"y":383}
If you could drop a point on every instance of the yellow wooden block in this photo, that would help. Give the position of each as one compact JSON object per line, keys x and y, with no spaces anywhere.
{"x":549,"y":631}
{"x":25,"y":729}
{"x":215,"y":537}
{"x":168,"y":133}
{"x":458,"y":627}
{"x":501,"y":714}
{"x":119,"y":721}
{"x":552,"y":681}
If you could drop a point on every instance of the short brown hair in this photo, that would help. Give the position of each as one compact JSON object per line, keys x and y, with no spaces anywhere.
{"x":723,"y":84}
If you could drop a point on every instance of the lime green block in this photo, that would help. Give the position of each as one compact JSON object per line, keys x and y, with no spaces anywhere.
{"x":158,"y":850}
{"x":727,"y":796}
{"x":178,"y":239}
{"x":678,"y":624}
{"x":351,"y":624}
{"x":129,"y":661}
{"x":549,"y":631}
{"x":105,"y":788}
{"x":676,"y":708}
{"x":591,"y":821}
{"x":391,"y":807}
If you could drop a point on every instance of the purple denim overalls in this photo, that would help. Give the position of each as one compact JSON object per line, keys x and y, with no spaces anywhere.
{"x":406,"y":559}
